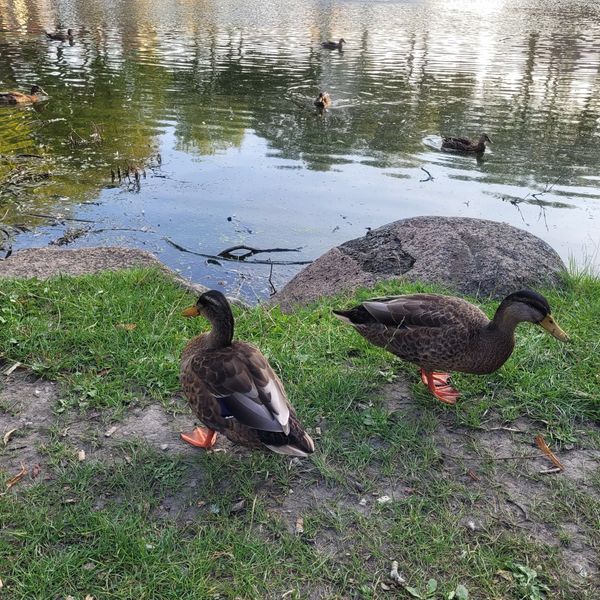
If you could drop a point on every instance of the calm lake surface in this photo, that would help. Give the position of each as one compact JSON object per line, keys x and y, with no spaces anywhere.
{"x":212,"y":100}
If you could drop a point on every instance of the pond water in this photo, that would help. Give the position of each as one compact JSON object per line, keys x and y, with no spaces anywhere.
{"x":211,"y":102}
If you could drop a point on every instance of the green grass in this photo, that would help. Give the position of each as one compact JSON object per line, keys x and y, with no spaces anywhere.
{"x":99,"y":528}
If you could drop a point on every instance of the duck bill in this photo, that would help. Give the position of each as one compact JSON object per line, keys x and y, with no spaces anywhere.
{"x":550,"y":325}
{"x":191,"y":311}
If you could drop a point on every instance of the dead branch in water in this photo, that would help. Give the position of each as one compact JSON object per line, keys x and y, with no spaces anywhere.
{"x":430,"y":177}
{"x":228,"y":252}
{"x":56,"y":218}
{"x":228,"y":255}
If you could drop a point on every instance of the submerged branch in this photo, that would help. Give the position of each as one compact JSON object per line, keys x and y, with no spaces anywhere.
{"x":227,"y":254}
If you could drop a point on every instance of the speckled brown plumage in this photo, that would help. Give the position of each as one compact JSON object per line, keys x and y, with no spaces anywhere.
{"x":461,"y":144}
{"x":233,"y":390}
{"x":445,"y":333}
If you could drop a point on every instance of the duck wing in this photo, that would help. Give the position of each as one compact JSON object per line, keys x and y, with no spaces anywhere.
{"x":419,"y":310}
{"x":245,"y":386}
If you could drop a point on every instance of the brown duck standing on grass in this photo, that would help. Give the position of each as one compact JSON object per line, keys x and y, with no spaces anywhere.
{"x":461,"y":144}
{"x":232,"y":389}
{"x":37,"y":94}
{"x":334,"y":45}
{"x":445,"y":333}
{"x":323,"y":100}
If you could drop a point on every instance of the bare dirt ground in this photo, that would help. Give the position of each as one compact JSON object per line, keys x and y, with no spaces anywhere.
{"x":507,"y":473}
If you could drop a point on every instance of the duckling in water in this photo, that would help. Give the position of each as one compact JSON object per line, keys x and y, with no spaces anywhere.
{"x":37,"y":94}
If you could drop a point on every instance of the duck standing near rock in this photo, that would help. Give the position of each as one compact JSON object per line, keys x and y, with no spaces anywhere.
{"x":232,"y":389}
{"x":445,"y":333}
{"x":37,"y":94}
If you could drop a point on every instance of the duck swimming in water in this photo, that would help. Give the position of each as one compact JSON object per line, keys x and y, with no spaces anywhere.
{"x":334,"y":45}
{"x":59,"y":36}
{"x":37,"y":94}
{"x":323,"y":100}
{"x":461,"y":144}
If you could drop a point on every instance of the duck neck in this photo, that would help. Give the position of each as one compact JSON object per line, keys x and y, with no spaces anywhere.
{"x":505,"y":321}
{"x":222,"y":331}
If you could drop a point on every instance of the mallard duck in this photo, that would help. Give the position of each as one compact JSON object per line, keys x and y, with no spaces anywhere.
{"x":59,"y":36}
{"x":445,"y":333}
{"x":334,"y":45}
{"x":323,"y":100}
{"x":465,"y":144}
{"x":36,"y":95}
{"x":232,"y":389}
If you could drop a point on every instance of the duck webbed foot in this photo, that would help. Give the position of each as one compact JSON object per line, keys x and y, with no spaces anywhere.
{"x":439,"y":386}
{"x":201,"y":437}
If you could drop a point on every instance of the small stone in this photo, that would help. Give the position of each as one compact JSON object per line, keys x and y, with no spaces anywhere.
{"x":110,"y":431}
{"x":164,"y":446}
{"x":362,"y":502}
{"x":384,"y":500}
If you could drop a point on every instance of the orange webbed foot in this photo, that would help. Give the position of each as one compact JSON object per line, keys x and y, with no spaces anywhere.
{"x":201,"y":437}
{"x":438,"y":385}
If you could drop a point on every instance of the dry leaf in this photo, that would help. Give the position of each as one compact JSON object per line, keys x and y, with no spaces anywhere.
{"x":81,"y":455}
{"x":110,"y":431}
{"x":37,"y":469}
{"x":299,"y":525}
{"x":88,"y":597}
{"x":541,"y":444}
{"x":126,"y":326}
{"x":14,"y":480}
{"x":103,"y":372}
{"x":7,"y":435}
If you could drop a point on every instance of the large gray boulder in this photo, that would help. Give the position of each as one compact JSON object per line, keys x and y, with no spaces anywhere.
{"x":470,"y":256}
